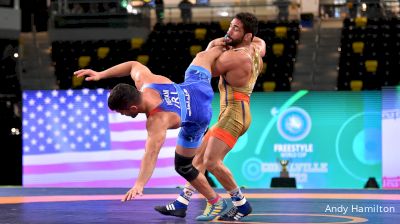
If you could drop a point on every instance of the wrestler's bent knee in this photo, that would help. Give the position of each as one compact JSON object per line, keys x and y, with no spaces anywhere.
{"x":185,"y":168}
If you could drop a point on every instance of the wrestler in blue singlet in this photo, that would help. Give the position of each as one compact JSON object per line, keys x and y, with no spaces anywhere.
{"x":191,"y":100}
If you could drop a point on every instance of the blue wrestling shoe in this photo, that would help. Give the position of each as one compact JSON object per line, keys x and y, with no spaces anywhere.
{"x":213,"y":211}
{"x":176,"y":208}
{"x":236,"y":213}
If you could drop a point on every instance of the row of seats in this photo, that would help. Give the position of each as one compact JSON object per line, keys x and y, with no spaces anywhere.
{"x":170,"y":48}
{"x":369,"y":54}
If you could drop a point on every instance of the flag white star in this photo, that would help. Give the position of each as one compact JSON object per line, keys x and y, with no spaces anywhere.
{"x":93,"y":97}
{"x":71,"y":119}
{"x":102,"y":131}
{"x":32,"y":116}
{"x":31,"y":102}
{"x":55,"y":106}
{"x":100,"y":91}
{"x":39,"y":94}
{"x":70,"y":92}
{"x":49,"y":141}
{"x":95,"y":138}
{"x":85,"y":91}
{"x":39,"y":108}
{"x":79,"y":125}
{"x":47,"y":100}
{"x":63,"y":99}
{"x":48,"y":127}
{"x":54,"y":93}
{"x":78,"y":98}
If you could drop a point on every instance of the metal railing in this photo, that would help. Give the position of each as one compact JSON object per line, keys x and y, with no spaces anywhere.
{"x":85,"y":13}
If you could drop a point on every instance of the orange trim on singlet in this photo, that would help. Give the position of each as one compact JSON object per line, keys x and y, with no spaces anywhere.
{"x":207,"y":135}
{"x":224,"y":136}
{"x":241,"y":96}
{"x":155,"y":110}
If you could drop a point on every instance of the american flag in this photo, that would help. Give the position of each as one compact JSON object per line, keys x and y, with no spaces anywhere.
{"x":72,"y":139}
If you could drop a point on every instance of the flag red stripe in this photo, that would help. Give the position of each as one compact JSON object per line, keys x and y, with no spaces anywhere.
{"x":154,"y":182}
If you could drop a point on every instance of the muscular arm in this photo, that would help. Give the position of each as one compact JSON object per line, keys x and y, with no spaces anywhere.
{"x":260,"y":44}
{"x":235,"y":66}
{"x":120,"y":70}
{"x":138,"y":72}
{"x":216,"y":42}
{"x":156,"y":134}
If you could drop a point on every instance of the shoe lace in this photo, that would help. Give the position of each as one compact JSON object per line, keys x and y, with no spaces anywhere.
{"x":213,"y":209}
{"x":207,"y":210}
{"x":232,"y":212}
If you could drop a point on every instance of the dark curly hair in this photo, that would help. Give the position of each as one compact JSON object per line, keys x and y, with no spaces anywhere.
{"x":250,"y":22}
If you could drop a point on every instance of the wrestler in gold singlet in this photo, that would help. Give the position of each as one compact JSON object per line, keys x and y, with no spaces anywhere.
{"x":238,"y":68}
{"x":235,"y":117}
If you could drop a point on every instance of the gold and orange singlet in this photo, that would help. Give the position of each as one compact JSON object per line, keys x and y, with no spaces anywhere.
{"x":234,"y":117}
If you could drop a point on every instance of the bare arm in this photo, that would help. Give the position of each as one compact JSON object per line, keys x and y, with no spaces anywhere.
{"x":260,"y":44}
{"x":217,"y":42}
{"x":235,"y":66}
{"x":156,"y":130}
{"x":132,"y":68}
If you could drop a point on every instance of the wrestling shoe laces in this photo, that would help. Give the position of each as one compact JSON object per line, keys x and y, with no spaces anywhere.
{"x":237,"y":213}
{"x":213,"y":211}
{"x":172,"y":210}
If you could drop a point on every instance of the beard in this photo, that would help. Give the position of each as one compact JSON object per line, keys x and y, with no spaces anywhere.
{"x":233,"y":42}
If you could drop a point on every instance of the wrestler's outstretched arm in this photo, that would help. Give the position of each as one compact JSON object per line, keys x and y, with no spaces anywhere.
{"x":156,"y":126}
{"x":120,"y":70}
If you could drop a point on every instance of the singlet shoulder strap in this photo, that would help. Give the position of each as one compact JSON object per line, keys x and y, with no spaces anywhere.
{"x":152,"y":112}
{"x":148,"y":85}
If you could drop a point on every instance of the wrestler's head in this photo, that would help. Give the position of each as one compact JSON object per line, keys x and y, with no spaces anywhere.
{"x":125,"y":99}
{"x":242,"y":29}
